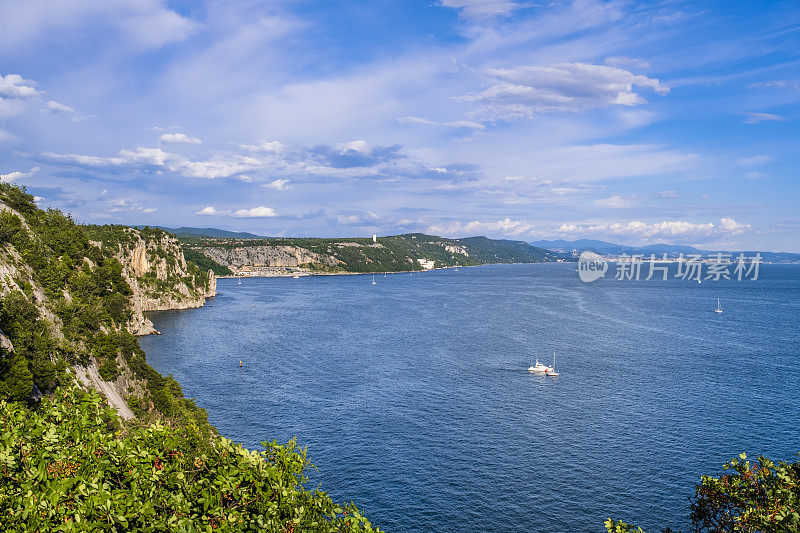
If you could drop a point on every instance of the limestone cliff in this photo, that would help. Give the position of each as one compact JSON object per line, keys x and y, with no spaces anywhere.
{"x":272,"y":256}
{"x":155,"y":268}
{"x":70,"y":298}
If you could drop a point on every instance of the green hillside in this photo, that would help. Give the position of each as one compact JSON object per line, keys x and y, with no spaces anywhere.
{"x":392,"y":253}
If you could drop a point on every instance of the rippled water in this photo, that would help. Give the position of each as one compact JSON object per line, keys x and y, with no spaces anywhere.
{"x":413,"y":398}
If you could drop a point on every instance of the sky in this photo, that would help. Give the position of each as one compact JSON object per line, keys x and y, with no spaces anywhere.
{"x":632,"y":122}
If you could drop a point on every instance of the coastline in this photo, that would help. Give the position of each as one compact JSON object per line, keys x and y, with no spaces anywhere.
{"x":307,"y":274}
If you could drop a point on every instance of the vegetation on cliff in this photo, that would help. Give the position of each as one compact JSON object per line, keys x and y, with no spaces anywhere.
{"x":68,"y":462}
{"x":68,"y":304}
{"x":179,"y":277}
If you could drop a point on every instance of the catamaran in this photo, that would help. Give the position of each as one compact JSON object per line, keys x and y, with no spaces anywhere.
{"x":719,"y":308}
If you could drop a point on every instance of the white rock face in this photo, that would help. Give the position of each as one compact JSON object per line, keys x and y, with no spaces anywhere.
{"x":156,"y":271}
{"x":273,"y":256}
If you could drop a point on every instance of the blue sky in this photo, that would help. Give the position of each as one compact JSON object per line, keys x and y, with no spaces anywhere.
{"x":634,"y":122}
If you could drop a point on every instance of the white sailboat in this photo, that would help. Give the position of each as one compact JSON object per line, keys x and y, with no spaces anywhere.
{"x":719,"y":308}
{"x":373,"y":280}
{"x":553,"y":371}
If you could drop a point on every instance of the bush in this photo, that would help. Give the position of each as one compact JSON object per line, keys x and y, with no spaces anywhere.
{"x":64,"y":469}
{"x":758,"y":497}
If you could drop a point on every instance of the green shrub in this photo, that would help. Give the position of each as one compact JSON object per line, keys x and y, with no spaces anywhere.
{"x":65,"y":469}
{"x":757,"y":497}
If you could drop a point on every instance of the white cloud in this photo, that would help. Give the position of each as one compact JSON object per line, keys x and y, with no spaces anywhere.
{"x":668,"y":229}
{"x":755,"y":118}
{"x":525,"y":92}
{"x":668,"y":195}
{"x":367,"y":218}
{"x":626,"y":62}
{"x":141,"y":23}
{"x":179,"y":138}
{"x":506,"y":227}
{"x":207,"y":211}
{"x":753,"y":161}
{"x":16,"y":175}
{"x":15,"y":86}
{"x":755,"y":175}
{"x":453,"y":124}
{"x":255,"y":212}
{"x":481,"y":8}
{"x":158,"y":158}
{"x":617,"y":201}
{"x":279,"y":185}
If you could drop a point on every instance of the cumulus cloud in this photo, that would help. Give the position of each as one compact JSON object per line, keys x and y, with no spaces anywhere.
{"x":16,"y":175}
{"x":506,"y":227}
{"x":525,"y":92}
{"x":14,"y":86}
{"x":207,"y":211}
{"x":357,"y":220}
{"x":18,"y":93}
{"x":156,"y":158}
{"x":667,"y":230}
{"x":179,"y":138}
{"x":755,"y":118}
{"x":256,"y":212}
{"x":279,"y":185}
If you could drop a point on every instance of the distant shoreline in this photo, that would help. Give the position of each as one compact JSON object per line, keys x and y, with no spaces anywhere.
{"x":307,"y":274}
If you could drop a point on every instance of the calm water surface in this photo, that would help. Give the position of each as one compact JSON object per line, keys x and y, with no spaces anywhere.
{"x":413,"y":399}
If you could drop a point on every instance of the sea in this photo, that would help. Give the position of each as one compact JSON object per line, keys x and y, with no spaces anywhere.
{"x":413,"y":399}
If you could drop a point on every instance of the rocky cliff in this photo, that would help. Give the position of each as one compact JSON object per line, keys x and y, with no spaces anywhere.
{"x":273,"y":256}
{"x":155,"y":268}
{"x":71,"y":298}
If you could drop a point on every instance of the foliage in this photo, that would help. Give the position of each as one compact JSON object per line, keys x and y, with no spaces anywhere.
{"x":757,"y":497}
{"x":63,"y":469}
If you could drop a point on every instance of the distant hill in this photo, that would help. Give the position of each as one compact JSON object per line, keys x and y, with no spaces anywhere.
{"x":607,"y":248}
{"x":389,"y":254}
{"x":184,"y":232}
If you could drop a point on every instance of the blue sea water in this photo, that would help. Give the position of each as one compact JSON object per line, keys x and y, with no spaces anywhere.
{"x":413,"y":398}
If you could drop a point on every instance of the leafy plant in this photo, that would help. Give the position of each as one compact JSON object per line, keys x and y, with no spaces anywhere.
{"x":65,"y":469}
{"x":758,"y":497}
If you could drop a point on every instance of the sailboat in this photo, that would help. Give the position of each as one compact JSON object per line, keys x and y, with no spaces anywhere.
{"x":240,"y":282}
{"x":373,"y":280}
{"x":719,"y":308}
{"x":552,"y":370}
